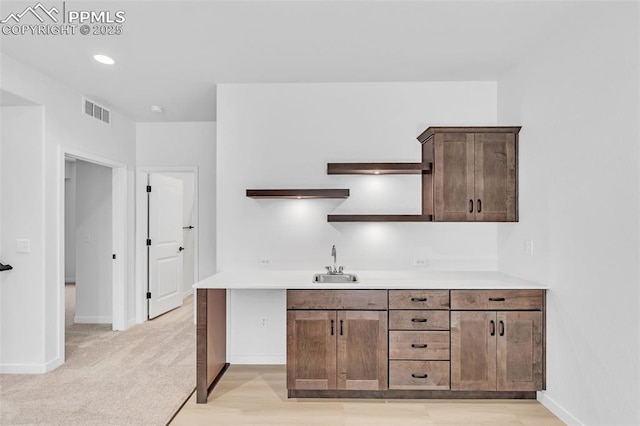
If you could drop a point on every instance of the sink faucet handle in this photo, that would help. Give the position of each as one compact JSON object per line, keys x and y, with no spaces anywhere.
{"x":328,"y":268}
{"x":340,"y":269}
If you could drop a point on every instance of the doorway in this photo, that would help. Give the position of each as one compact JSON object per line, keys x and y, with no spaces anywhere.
{"x":93,"y":234}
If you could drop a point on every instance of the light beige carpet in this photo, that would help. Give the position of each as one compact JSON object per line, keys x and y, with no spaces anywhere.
{"x":137,"y":377}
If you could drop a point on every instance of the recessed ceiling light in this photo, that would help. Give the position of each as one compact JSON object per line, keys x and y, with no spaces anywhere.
{"x":156,"y":108}
{"x":104,"y":59}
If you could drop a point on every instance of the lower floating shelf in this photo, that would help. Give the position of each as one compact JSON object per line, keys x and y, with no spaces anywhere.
{"x":298,"y":193}
{"x":379,"y":218}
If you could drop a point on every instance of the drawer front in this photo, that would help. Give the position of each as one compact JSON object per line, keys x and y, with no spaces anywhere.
{"x":337,"y":299}
{"x":418,"y":299}
{"x":496,"y":300}
{"x":427,"y":375}
{"x":419,"y":320}
{"x":419,"y":345}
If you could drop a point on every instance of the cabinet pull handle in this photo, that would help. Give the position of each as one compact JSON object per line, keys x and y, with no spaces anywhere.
{"x":492,"y":331}
{"x":470,"y":206}
{"x":418,"y":299}
{"x":479,"y":205}
{"x":418,"y":320}
{"x":332,"y":327}
{"x":501,"y":328}
{"x":419,"y":376}
{"x":419,"y":345}
{"x":497,"y":299}
{"x":341,"y":327}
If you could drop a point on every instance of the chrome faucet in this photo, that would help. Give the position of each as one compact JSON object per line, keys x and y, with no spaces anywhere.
{"x":336,"y":269}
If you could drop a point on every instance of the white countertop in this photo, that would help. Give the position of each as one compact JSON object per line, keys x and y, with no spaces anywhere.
{"x":282,"y":280}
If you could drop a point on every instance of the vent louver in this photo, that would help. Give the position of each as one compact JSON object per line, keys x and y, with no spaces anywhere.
{"x":96,"y":111}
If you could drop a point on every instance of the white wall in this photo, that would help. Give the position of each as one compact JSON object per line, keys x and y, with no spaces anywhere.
{"x":64,"y":127}
{"x":193,"y":145}
{"x":283,"y":136}
{"x":94,"y":247}
{"x":21,"y":204}
{"x":578,"y":102}
{"x":70,"y":221}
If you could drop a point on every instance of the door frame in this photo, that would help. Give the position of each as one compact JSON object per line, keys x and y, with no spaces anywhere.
{"x":119,"y":238}
{"x":141,"y":272}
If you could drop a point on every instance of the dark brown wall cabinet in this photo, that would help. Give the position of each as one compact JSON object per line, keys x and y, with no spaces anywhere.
{"x":475,"y":173}
{"x":331,"y":349}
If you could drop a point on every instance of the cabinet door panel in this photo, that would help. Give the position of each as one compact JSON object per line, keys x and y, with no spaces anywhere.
{"x":495,"y":177}
{"x":362,"y":350}
{"x":473,"y":350}
{"x":311,"y":350}
{"x":453,"y":177}
{"x":519,"y":351}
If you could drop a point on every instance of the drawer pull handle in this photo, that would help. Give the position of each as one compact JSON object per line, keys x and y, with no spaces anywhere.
{"x":501,"y":328}
{"x":492,"y":331}
{"x":419,"y":376}
{"x":497,"y":299}
{"x":332,"y":327}
{"x":418,"y":320}
{"x":341,"y":333}
{"x":419,"y":345}
{"x":418,"y":299}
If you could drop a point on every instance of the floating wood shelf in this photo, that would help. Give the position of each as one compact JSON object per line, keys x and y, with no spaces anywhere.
{"x":298,"y":193}
{"x":379,"y":218}
{"x":378,"y":168}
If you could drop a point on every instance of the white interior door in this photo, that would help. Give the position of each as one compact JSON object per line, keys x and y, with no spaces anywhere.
{"x":165,"y":245}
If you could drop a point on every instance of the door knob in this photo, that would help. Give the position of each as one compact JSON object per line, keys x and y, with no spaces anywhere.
{"x":180,"y":248}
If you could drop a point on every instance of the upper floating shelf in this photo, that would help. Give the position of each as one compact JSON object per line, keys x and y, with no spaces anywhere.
{"x":378,"y":168}
{"x":298,"y":193}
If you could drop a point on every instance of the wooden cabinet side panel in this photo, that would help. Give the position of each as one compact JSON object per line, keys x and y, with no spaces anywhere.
{"x":211,"y":338}
{"x":362,"y":360}
{"x":311,"y":350}
{"x":520,"y":351}
{"x":473,"y":351}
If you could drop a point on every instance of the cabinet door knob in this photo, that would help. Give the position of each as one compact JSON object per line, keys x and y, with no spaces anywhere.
{"x":419,"y":345}
{"x":419,"y":376}
{"x":418,"y":320}
{"x":492,"y":330}
{"x":479,"y":205}
{"x":470,"y":206}
{"x":501,"y":328}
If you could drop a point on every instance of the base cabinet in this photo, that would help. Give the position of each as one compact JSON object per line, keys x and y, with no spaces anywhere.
{"x":496,"y":351}
{"x":337,"y":350}
{"x":415,"y":343}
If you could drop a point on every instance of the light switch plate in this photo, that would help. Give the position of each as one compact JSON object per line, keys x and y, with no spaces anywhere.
{"x":23,"y":246}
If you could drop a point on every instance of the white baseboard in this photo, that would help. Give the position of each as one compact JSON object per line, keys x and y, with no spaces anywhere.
{"x":130,"y":323}
{"x":23,"y":368}
{"x":91,"y":320}
{"x":53,"y":364}
{"x":557,"y":410}
{"x":258,"y":359}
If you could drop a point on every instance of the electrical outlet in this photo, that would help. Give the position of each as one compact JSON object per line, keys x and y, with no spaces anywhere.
{"x":265,"y":261}
{"x":419,"y":261}
{"x":528,"y":247}
{"x":23,"y":246}
{"x":263,"y":322}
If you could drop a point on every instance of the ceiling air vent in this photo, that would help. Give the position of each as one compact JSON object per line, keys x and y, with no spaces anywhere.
{"x":96,"y":111}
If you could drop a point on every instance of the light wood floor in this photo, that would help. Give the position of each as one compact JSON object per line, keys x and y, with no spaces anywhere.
{"x":257,"y":395}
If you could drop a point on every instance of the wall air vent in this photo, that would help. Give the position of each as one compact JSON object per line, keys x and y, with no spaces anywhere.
{"x":96,"y":111}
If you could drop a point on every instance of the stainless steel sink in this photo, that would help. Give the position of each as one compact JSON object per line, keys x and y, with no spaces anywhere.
{"x":335,"y":278}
